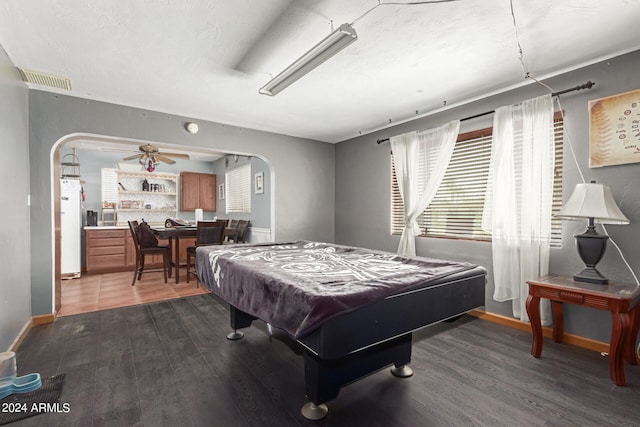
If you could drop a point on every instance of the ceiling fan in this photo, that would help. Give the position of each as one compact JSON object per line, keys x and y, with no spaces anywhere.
{"x":150,"y":156}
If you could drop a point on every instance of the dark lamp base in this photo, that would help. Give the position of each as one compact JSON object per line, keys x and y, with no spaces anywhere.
{"x":591,"y":275}
{"x":591,"y":246}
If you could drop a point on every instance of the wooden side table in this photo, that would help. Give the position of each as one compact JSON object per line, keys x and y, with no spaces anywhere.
{"x":618,"y":298}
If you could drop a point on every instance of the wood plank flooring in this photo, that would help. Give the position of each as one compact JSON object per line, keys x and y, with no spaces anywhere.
{"x":105,"y":291}
{"x":169,"y":363}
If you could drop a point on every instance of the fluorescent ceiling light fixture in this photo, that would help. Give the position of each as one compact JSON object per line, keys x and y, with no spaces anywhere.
{"x":329,"y":46}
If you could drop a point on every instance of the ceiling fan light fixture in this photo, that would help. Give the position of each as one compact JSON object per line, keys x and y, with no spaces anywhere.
{"x":150,"y":154}
{"x":329,"y":46}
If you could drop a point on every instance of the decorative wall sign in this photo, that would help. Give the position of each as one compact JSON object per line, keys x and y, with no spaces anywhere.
{"x":614,"y":130}
{"x":259,"y":183}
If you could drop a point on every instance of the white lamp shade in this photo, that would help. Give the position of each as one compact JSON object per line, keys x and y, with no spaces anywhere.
{"x":593,"y":201}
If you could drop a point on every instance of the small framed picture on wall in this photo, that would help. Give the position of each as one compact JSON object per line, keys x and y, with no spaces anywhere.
{"x":259,"y":182}
{"x":221,"y":191}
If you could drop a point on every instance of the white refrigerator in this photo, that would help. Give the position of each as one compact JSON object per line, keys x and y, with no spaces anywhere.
{"x":70,"y":227}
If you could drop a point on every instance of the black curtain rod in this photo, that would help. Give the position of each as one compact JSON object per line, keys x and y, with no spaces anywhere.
{"x":587,"y":85}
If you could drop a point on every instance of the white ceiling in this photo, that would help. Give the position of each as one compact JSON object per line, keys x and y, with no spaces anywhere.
{"x":207,"y":59}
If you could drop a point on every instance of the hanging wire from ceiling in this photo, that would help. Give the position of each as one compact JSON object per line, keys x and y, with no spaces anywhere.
{"x":520,"y":53}
{"x":412,"y":3}
{"x":525,"y":69}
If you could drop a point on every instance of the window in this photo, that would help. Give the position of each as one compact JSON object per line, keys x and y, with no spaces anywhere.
{"x":456,"y":210}
{"x":109,"y":186}
{"x":238,"y":189}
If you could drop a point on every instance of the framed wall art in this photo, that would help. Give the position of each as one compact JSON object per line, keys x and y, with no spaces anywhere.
{"x":259,"y":182}
{"x":221,"y":191}
{"x":614,"y":130}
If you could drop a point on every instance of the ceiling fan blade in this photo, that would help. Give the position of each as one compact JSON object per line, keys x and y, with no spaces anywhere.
{"x":164,"y":159}
{"x":135,"y":156}
{"x":176,"y":155}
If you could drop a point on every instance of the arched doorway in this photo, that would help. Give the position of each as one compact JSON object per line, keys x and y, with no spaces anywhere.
{"x":91,"y":148}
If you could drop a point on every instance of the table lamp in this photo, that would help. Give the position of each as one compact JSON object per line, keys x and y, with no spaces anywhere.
{"x":595,"y":203}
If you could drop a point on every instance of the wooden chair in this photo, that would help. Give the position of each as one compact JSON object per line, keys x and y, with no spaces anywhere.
{"x":231,"y":225}
{"x":241,"y":234}
{"x":142,"y":252}
{"x":207,"y":233}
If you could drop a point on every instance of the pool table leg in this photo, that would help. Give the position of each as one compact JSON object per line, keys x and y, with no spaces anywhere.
{"x":324,"y":378}
{"x":311,"y":411}
{"x":239,"y":319}
{"x":403,"y":371}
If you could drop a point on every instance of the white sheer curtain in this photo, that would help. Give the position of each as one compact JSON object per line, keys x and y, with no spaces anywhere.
{"x":420,"y":160}
{"x":518,"y":201}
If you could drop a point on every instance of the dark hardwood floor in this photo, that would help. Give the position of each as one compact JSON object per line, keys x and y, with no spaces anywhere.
{"x":169,"y":363}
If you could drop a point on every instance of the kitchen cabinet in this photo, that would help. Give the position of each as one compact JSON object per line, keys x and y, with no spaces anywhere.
{"x":105,"y":250}
{"x":111,"y":249}
{"x":197,"y":191}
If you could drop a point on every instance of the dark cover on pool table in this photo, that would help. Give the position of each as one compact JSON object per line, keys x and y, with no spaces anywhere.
{"x":296,"y":286}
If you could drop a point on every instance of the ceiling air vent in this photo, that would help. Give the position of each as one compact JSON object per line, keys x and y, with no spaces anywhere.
{"x":45,"y":79}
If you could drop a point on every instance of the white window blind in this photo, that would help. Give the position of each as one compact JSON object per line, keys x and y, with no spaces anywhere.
{"x":109,"y":185}
{"x":238,"y":189}
{"x":456,"y":210}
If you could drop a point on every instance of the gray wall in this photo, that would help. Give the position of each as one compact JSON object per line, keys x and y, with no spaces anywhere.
{"x":15,"y":262}
{"x":301,"y":177}
{"x":363,"y":188}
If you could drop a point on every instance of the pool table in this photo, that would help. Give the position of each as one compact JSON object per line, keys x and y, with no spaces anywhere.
{"x":353,"y":343}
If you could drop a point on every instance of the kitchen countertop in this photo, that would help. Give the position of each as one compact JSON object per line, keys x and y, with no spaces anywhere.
{"x":120,"y":227}
{"x":106,"y":227}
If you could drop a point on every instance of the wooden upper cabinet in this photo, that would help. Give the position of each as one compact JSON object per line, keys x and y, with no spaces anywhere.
{"x":208,"y":192}
{"x":189,"y":191}
{"x":197,"y":191}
